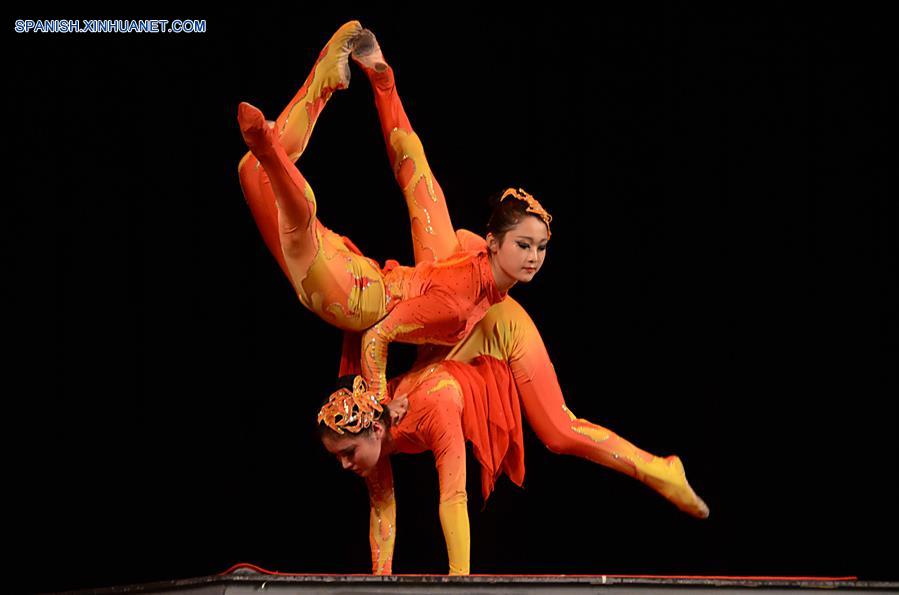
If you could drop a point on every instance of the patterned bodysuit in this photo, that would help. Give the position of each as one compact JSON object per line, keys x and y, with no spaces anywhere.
{"x":334,"y":280}
{"x":435,"y":302}
{"x":450,"y":403}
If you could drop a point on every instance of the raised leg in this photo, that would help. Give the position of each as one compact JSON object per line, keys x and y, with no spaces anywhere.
{"x":433,"y":236}
{"x":294,"y":127}
{"x":508,"y":333}
{"x":340,"y":285}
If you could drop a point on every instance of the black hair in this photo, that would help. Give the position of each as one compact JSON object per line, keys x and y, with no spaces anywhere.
{"x":505,"y":214}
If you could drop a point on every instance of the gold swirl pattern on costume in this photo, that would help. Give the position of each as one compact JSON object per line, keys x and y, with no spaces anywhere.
{"x":407,"y":146}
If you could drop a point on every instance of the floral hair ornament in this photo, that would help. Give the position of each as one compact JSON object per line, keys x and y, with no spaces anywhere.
{"x":352,"y":411}
{"x":533,"y":207}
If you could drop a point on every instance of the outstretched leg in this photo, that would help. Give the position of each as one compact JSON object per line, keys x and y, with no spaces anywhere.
{"x":508,"y":333}
{"x":340,"y":285}
{"x":294,"y":127}
{"x":433,"y":236}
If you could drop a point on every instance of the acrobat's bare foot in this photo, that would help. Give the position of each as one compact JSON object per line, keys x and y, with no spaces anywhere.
{"x":367,"y":52}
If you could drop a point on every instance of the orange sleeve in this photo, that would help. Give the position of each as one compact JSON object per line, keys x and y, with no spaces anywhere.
{"x":440,"y":315}
{"x":442,"y":430}
{"x":434,"y":422}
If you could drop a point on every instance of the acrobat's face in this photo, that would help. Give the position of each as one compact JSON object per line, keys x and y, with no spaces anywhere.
{"x":521,"y":252}
{"x":357,"y":453}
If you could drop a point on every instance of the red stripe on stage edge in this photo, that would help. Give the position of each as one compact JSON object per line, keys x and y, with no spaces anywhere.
{"x":254,"y":568}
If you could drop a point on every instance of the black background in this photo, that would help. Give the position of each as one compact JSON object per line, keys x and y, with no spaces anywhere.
{"x":721,"y":284}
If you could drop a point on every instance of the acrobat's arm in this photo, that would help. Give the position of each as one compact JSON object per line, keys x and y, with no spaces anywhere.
{"x":454,"y":521}
{"x":430,"y":318}
{"x":382,"y":519}
{"x":445,"y":435}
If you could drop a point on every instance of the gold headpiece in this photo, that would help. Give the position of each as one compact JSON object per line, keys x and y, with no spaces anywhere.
{"x":533,"y":207}
{"x":351,"y":411}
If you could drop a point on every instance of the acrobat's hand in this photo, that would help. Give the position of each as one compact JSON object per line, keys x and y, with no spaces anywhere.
{"x":397,"y":409}
{"x":382,"y":568}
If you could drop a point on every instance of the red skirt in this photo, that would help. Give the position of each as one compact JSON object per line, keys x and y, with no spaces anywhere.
{"x":491,"y":418}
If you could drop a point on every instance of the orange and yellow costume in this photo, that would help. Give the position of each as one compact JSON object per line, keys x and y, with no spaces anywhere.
{"x":436,"y":302}
{"x":448,"y":299}
{"x":448,"y":403}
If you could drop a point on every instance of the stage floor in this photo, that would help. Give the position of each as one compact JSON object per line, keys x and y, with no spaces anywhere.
{"x":245,"y":579}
